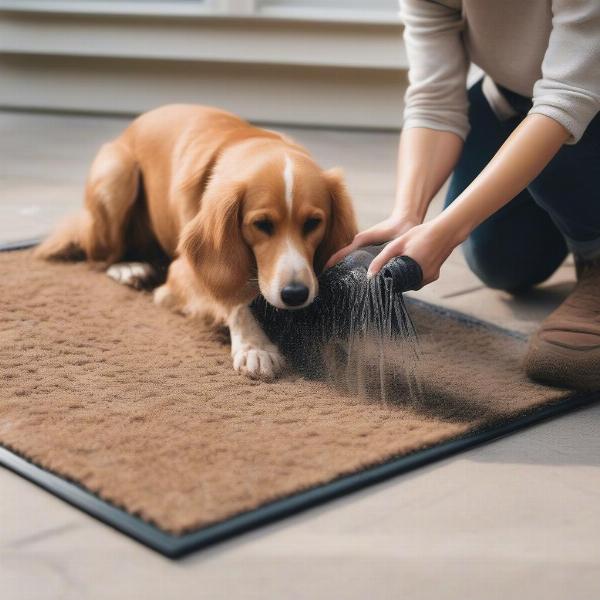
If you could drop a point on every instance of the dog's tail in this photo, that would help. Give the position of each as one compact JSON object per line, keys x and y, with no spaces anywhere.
{"x":69,"y":241}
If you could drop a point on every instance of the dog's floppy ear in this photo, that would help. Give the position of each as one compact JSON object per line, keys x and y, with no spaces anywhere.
{"x":213,"y":244}
{"x":342,"y":225}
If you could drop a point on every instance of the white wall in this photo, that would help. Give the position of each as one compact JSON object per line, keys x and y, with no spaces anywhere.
{"x":331,"y":66}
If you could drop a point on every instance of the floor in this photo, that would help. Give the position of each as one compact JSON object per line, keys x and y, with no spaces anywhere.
{"x":519,"y":517}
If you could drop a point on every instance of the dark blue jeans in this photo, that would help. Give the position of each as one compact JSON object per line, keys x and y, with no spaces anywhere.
{"x":524,"y":243}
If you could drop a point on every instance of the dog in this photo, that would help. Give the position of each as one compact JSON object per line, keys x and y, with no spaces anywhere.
{"x":236,"y":210}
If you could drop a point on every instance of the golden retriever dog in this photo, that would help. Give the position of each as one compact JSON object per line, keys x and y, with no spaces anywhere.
{"x":237,"y":209}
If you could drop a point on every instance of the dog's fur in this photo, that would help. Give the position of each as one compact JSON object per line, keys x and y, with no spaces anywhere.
{"x":239,"y":210}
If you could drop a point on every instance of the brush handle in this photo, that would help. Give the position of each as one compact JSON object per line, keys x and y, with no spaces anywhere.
{"x":404,"y":272}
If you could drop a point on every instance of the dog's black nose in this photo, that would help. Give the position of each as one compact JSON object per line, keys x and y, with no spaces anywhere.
{"x":294,"y":294}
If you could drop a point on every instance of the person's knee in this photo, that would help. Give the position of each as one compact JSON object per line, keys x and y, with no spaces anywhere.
{"x":504,"y":271}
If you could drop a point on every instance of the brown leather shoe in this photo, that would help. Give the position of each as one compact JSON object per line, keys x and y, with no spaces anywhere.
{"x":565,"y":351}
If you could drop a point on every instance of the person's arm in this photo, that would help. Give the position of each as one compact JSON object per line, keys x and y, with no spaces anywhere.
{"x":435,"y":116}
{"x":521,"y":158}
{"x":426,"y":158}
{"x":569,"y":89}
{"x":565,"y":100}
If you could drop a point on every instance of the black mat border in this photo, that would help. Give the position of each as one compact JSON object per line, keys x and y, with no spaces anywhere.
{"x":176,"y":546}
{"x":19,"y":244}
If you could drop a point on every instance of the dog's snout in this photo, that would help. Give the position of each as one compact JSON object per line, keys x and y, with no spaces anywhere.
{"x":294,"y":294}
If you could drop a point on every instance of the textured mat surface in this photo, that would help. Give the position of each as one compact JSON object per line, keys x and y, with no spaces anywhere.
{"x":142,"y":407}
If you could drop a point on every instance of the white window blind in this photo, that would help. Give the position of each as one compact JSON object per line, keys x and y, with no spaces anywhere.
{"x":384,"y":11}
{"x":362,"y":5}
{"x":373,"y":11}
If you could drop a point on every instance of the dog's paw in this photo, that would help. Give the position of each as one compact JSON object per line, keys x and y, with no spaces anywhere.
{"x":163,"y":296}
{"x":134,"y":274}
{"x":257,"y":362}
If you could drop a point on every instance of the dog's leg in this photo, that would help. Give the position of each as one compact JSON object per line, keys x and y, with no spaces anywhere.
{"x":252,"y":351}
{"x":111,"y":192}
{"x":138,"y":275}
{"x":180,"y":293}
{"x":98,"y":231}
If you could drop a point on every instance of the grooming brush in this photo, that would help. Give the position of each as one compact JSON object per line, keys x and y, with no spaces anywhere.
{"x":349,"y":304}
{"x":401,"y":273}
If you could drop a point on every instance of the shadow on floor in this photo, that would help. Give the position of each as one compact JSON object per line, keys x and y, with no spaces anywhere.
{"x":543,"y":299}
{"x":572,"y":439}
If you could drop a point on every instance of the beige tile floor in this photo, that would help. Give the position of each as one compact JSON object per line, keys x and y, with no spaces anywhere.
{"x":516,"y":518}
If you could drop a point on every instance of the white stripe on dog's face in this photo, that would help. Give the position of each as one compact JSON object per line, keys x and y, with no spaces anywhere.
{"x":288,"y":180}
{"x":285,"y":256}
{"x":291,"y":266}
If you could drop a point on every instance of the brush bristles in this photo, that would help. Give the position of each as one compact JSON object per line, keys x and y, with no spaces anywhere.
{"x":344,"y":334}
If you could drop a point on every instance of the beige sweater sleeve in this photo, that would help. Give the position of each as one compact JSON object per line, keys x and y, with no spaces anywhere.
{"x":436,"y":97}
{"x":569,"y":90}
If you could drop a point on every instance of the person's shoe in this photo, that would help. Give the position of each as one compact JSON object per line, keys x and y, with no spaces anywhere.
{"x":565,"y":351}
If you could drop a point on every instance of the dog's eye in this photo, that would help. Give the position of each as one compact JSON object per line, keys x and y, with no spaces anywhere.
{"x":311,"y":224}
{"x":265,"y":225}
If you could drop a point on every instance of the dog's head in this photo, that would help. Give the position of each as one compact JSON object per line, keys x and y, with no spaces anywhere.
{"x":269,"y":221}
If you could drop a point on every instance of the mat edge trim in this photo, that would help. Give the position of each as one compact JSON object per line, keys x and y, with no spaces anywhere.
{"x":173,"y":546}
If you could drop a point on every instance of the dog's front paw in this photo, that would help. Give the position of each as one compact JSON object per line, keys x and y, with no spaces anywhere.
{"x":258,"y":362}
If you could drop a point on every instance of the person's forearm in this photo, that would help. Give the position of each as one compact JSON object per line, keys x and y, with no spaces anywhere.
{"x":426,"y":158}
{"x":521,"y":158}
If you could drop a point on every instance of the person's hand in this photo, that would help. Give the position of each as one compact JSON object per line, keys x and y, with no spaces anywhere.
{"x":429,"y":244}
{"x":383,"y":232}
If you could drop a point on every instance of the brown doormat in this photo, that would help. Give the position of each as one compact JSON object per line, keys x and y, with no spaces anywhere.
{"x":136,"y":415}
